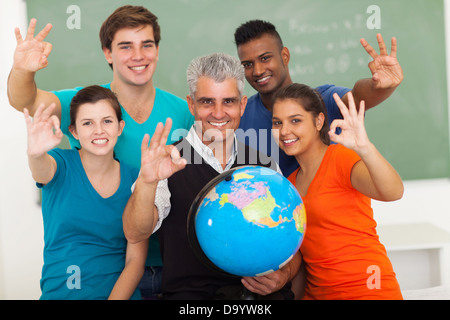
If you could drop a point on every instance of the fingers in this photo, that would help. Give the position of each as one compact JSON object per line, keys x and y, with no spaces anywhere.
{"x":44,"y":32}
{"x":38,"y":112}
{"x":177,"y":160}
{"x":154,"y":142}
{"x":337,"y":123}
{"x":54,"y":120}
{"x":47,"y":49}
{"x":393,"y":47}
{"x":166,"y":132}
{"x":43,"y":113}
{"x":383,"y":50}
{"x":381,"y":45}
{"x":30,"y":32}
{"x":341,"y":105}
{"x":26,"y":114}
{"x":18,"y":35}
{"x":161,"y":134}
{"x":361,"y":111}
{"x":144,"y":144}
{"x":31,"y":28}
{"x":369,"y":49}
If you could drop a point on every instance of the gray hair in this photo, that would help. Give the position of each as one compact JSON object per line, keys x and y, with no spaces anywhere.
{"x":217,"y":66}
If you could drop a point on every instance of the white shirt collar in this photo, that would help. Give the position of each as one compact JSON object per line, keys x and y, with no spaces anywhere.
{"x":207,"y":154}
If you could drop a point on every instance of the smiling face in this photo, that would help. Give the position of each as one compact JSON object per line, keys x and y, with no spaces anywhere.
{"x":217,"y":108}
{"x":266,"y":64}
{"x":133,"y":55}
{"x":97,"y":127}
{"x":294,"y":128}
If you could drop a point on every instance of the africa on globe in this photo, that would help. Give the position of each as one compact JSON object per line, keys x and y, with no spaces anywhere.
{"x":249,"y":221}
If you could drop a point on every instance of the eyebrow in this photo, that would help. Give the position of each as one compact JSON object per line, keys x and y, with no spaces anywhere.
{"x":291,"y":116}
{"x":90,"y":119}
{"x":130,"y":42}
{"x":261,"y":55}
{"x":214,"y":99}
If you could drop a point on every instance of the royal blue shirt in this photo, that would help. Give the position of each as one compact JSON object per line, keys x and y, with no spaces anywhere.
{"x":256,"y":125}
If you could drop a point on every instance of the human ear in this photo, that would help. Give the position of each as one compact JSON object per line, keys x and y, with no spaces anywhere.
{"x":285,"y":55}
{"x":319,"y":121}
{"x":108,"y":55}
{"x":73,"y":131}
{"x":190,"y":103}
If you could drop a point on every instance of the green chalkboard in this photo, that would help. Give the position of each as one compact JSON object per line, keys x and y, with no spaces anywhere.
{"x":411,"y":128}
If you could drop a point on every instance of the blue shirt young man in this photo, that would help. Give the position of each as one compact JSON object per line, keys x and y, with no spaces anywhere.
{"x":266,"y":61}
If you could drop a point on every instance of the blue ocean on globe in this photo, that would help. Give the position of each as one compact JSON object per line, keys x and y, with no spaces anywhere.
{"x":250,"y":223}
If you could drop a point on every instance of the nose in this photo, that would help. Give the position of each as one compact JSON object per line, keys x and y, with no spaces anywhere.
{"x":219,"y":111}
{"x":258,"y":69}
{"x":284,"y":129}
{"x":137,"y":54}
{"x":98,"y":128}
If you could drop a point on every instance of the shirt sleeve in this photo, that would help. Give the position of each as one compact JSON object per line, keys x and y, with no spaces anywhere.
{"x":345,"y":159}
{"x":59,"y":175}
{"x":162,"y":201}
{"x":327,"y":91}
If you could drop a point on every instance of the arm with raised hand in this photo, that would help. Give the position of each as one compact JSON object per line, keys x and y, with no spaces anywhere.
{"x":374,"y":176}
{"x":30,"y":56}
{"x":158,"y":162}
{"x":387,"y":74}
{"x":43,"y":134}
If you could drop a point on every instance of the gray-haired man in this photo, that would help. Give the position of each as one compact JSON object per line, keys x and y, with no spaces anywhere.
{"x":172,"y":176}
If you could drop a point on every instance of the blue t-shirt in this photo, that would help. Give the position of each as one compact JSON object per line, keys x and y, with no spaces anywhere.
{"x":256,"y":125}
{"x":128,"y":146}
{"x":84,"y":242}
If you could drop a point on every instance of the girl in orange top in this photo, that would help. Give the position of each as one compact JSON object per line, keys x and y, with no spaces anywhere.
{"x":343,"y":256}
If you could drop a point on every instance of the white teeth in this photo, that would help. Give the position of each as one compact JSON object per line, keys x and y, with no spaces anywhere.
{"x":218,"y":124}
{"x":263,"y":79}
{"x":290,"y":141}
{"x":100,"y":141}
{"x":138,"y":68}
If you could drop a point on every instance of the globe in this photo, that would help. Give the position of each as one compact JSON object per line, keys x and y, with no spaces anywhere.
{"x":248,"y":221}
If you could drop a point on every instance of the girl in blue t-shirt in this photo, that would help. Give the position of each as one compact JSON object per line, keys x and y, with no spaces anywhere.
{"x":84,"y":193}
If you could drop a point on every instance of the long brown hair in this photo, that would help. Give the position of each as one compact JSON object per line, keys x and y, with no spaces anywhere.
{"x":312,"y":102}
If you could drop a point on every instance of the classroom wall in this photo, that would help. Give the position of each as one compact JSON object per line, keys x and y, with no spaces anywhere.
{"x":21,"y":235}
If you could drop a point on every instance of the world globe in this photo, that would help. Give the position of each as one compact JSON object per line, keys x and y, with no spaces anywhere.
{"x":248,"y":221}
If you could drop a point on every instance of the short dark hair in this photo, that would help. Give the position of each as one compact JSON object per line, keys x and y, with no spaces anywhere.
{"x":255,"y":29}
{"x":93,"y":94}
{"x":310,"y":99}
{"x":128,"y":17}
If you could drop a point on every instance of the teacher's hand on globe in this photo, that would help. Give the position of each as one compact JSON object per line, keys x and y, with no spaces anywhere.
{"x":159,"y":161}
{"x":268,"y":283}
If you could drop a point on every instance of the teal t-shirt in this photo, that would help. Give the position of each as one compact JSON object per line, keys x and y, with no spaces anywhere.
{"x":128,"y":147}
{"x":84,"y":242}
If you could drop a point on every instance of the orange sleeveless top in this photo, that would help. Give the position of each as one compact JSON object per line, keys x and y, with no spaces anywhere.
{"x":343,"y":256}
